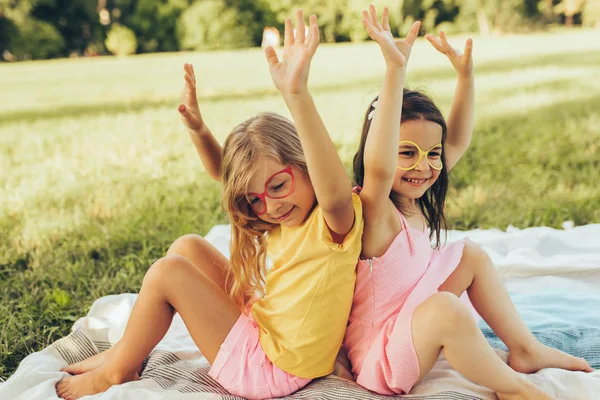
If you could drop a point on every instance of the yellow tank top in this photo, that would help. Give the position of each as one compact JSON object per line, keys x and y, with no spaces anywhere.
{"x":303,"y":316}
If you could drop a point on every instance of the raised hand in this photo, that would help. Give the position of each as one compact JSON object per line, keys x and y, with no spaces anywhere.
{"x":291,"y":74}
{"x":189,"y":109}
{"x":395,"y":52}
{"x":462,"y":63}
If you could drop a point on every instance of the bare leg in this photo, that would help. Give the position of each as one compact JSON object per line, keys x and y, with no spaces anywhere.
{"x":443,"y":322}
{"x":204,"y":256}
{"x":172,"y":283}
{"x":199,"y":252}
{"x":476,"y":274}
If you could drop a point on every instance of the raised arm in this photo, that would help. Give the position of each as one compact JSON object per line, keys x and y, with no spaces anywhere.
{"x":381,"y":147}
{"x":206,"y":145}
{"x":461,"y":118}
{"x":332,"y":185}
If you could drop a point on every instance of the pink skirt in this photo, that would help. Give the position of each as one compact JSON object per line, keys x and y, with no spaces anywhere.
{"x":243,"y":369}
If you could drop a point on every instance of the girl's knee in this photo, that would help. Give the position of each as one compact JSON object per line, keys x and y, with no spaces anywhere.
{"x":187,"y":244}
{"x":444,"y":311}
{"x":165,"y":268}
{"x":473,"y":252}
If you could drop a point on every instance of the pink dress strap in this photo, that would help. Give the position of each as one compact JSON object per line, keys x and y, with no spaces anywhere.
{"x":357,"y":189}
{"x":409,"y":236}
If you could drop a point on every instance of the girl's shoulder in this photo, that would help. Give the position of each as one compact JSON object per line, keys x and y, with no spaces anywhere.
{"x":316,"y":228}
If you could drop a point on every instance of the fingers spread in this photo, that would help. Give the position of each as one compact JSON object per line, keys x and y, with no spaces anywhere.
{"x":445,"y":43}
{"x":374,"y":21}
{"x":414,"y":32}
{"x":313,"y":36}
{"x":289,"y":33}
{"x":368,"y":24}
{"x":366,"y":17}
{"x":271,"y":55}
{"x":190,"y":81}
{"x":385,"y":20}
{"x":189,"y":70}
{"x":469,"y":49}
{"x":300,"y":28}
{"x":193,"y":73}
{"x":435,"y":43}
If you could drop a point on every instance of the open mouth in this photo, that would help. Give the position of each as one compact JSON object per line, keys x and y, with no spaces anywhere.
{"x":415,"y":182}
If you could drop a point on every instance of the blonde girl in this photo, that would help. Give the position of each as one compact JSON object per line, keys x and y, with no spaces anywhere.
{"x":288,"y":195}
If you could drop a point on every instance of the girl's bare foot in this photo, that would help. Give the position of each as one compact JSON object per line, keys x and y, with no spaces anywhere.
{"x":88,"y":364}
{"x":539,"y":356}
{"x":95,"y":381}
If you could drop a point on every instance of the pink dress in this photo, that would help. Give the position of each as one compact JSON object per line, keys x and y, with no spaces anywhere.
{"x":388,"y":289}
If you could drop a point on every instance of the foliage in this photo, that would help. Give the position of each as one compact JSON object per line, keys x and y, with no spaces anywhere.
{"x":173,"y":25}
{"x":36,"y":39}
{"x":431,"y":12}
{"x":496,"y":16}
{"x":121,"y":40}
{"x":155,"y":24}
{"x":210,"y":24}
{"x":75,"y":20}
{"x":591,"y":13}
{"x":25,"y":36}
{"x":9,"y":31}
{"x":256,"y":14}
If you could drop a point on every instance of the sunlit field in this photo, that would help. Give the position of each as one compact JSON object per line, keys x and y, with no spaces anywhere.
{"x":99,"y":176}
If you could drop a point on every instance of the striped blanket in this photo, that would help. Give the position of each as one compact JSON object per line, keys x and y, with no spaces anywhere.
{"x":553,"y":277}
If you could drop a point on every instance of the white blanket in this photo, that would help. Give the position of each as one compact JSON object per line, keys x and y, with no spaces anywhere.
{"x":532,"y":262}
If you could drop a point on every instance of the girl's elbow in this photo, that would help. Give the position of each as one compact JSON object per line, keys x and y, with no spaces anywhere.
{"x":215,"y":176}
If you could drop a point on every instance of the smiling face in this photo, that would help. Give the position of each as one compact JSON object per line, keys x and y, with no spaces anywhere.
{"x":280,"y":194}
{"x":426,"y":134}
{"x":423,"y":187}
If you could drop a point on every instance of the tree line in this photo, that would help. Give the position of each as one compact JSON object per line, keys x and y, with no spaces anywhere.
{"x":40,"y":29}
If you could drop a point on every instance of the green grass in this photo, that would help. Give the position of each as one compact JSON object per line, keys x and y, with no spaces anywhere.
{"x":99,"y":176}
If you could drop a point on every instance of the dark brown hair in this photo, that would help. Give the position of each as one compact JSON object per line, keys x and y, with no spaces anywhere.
{"x":415,"y":106}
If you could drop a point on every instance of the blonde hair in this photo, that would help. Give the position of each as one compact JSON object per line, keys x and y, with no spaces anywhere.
{"x":265,"y":135}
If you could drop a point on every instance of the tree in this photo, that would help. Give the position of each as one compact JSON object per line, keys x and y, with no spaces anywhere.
{"x":25,"y":36}
{"x":257,"y":14}
{"x":496,"y":16}
{"x":155,"y":24}
{"x":547,"y":8}
{"x":431,"y":12}
{"x":211,"y":24}
{"x":569,"y":8}
{"x":75,"y":20}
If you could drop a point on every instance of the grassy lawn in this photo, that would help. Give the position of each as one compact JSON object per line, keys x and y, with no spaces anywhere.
{"x":99,"y":176}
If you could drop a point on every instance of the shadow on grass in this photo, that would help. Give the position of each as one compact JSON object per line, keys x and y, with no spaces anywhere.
{"x":578,"y":59}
